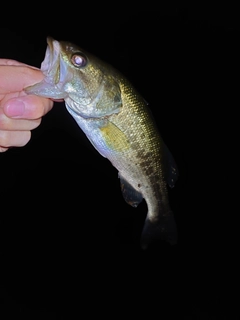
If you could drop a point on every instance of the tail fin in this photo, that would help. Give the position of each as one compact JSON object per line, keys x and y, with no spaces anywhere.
{"x":164,"y":228}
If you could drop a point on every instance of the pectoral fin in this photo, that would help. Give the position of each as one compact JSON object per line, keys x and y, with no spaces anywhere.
{"x":114,"y":138}
{"x":131,"y":196}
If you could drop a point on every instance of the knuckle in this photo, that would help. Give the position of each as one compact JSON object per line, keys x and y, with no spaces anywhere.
{"x":2,"y":120}
{"x":14,"y":139}
{"x":3,"y":149}
{"x":26,"y":138}
{"x":4,"y":138}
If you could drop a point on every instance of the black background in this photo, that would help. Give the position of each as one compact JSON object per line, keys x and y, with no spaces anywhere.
{"x":69,"y":242}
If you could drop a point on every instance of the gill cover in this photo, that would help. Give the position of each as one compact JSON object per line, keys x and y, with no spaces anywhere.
{"x":76,"y":77}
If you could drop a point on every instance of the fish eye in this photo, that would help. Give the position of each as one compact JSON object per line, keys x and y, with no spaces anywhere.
{"x":79,"y":60}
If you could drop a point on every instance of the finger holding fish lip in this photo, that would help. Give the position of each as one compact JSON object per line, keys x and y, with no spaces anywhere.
{"x":10,"y":62}
{"x":19,"y":113}
{"x":15,"y":77}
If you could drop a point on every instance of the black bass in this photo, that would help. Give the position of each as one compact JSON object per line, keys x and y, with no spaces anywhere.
{"x":117,"y":121}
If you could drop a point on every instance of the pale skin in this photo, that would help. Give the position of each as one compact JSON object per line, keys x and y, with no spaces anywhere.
{"x":19,"y":113}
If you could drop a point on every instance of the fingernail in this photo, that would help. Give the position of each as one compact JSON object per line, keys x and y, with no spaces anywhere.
{"x":15,"y":108}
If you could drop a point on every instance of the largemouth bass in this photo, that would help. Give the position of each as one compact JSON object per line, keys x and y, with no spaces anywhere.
{"x":119,"y":124}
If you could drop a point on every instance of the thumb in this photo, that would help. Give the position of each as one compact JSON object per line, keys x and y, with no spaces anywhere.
{"x":27,"y":107}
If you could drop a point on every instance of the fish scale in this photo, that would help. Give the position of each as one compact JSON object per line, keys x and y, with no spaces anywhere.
{"x":118,"y":122}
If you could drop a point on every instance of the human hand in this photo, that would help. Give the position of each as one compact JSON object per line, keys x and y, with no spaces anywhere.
{"x":19,"y":113}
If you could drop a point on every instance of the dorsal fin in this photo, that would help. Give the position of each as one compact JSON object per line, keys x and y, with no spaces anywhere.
{"x":171,"y":171}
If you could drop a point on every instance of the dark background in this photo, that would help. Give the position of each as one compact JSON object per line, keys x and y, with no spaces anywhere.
{"x":69,"y":242}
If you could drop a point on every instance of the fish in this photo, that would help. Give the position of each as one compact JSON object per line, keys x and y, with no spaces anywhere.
{"x":118,"y":122}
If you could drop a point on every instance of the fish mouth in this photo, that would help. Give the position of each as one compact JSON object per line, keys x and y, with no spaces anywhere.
{"x":55,"y":73}
{"x":51,"y":59}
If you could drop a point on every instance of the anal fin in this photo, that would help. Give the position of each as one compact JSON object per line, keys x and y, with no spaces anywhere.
{"x":131,"y":196}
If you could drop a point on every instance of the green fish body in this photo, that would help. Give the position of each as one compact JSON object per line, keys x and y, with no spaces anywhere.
{"x":118,"y":122}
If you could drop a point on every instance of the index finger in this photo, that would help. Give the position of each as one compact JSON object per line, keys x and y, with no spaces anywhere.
{"x":10,"y":62}
{"x":16,"y":77}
